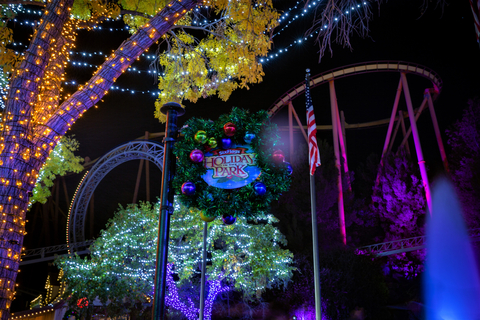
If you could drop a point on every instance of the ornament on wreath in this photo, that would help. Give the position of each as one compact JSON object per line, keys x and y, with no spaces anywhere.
{"x":229,"y":129}
{"x":201,"y":136}
{"x":278,"y":156}
{"x":260,"y":188}
{"x":212,"y":142}
{"x":226,"y":143}
{"x":196,"y":156}
{"x":228,"y":219}
{"x":289,"y":168}
{"x":188,"y":188}
{"x":205,"y":218}
{"x":248,"y":138}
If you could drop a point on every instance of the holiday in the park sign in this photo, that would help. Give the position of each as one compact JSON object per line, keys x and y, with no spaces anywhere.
{"x":230,"y":167}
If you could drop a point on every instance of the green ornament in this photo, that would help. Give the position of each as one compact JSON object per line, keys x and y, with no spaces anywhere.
{"x":206,"y":218}
{"x":212,"y":142}
{"x":201,"y":136}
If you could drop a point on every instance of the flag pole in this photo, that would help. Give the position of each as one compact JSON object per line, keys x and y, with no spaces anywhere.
{"x":314,"y":161}
{"x":316,"y":267}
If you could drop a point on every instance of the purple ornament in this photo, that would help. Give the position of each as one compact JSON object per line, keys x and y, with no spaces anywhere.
{"x":188,"y":188}
{"x":196,"y":156}
{"x":260,"y":188}
{"x":289,"y":168}
{"x":228,"y":219}
{"x":226,"y":143}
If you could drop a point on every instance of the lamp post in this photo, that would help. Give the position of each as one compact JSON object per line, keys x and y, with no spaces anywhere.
{"x":172,"y":110}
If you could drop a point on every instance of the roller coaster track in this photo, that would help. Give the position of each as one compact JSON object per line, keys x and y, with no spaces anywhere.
{"x":354,"y":69}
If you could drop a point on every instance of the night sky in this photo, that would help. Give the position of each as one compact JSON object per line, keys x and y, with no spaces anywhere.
{"x":443,"y":41}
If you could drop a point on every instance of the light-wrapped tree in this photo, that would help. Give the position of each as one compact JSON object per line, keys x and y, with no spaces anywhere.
{"x":37,"y":114}
{"x":245,"y":257}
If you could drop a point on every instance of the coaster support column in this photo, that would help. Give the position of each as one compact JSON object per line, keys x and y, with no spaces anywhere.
{"x":341,"y":209}
{"x":437,"y":129}
{"x":416,"y":139}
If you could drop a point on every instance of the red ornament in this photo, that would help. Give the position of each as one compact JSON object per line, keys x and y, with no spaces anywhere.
{"x":229,"y":129}
{"x":278,"y":156}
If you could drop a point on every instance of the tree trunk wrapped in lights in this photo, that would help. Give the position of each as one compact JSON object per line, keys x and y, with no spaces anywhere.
{"x":33,"y":124}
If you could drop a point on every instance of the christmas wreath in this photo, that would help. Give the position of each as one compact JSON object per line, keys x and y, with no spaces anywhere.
{"x":70,"y":313}
{"x":233,"y":190}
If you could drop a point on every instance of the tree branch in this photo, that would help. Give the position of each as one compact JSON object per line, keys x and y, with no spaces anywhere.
{"x":42,"y":4}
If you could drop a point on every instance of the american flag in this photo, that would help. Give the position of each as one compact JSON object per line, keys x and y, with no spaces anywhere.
{"x":475,"y":5}
{"x":313,"y":153}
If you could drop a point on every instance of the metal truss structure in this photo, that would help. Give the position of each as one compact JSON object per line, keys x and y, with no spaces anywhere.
{"x":50,"y":253}
{"x":134,"y":150}
{"x":404,"y":245}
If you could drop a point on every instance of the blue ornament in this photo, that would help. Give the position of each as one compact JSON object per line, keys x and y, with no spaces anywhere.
{"x":228,"y":219}
{"x":289,"y":167}
{"x":260,"y":188}
{"x":188,"y":188}
{"x":248,"y":138}
{"x":210,"y":197}
{"x":226,"y":143}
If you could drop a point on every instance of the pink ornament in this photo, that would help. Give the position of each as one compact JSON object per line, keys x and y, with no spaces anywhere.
{"x":229,"y":129}
{"x":278,"y":156}
{"x":196,"y":156}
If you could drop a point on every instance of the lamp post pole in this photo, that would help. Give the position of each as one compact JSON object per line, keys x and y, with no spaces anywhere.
{"x":172,"y":111}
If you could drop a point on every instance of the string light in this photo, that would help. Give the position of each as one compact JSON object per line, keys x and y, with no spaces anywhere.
{"x":278,"y":52}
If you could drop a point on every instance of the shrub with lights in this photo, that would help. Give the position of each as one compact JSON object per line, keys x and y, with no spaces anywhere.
{"x":232,"y":167}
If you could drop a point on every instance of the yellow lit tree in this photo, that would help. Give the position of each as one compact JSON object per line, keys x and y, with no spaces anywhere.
{"x":218,"y":59}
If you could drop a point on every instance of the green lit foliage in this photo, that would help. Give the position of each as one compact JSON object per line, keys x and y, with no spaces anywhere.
{"x":94,"y":9}
{"x":61,"y":161}
{"x":243,"y":201}
{"x":247,"y":255}
{"x":8,"y":58}
{"x":121,"y":267}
